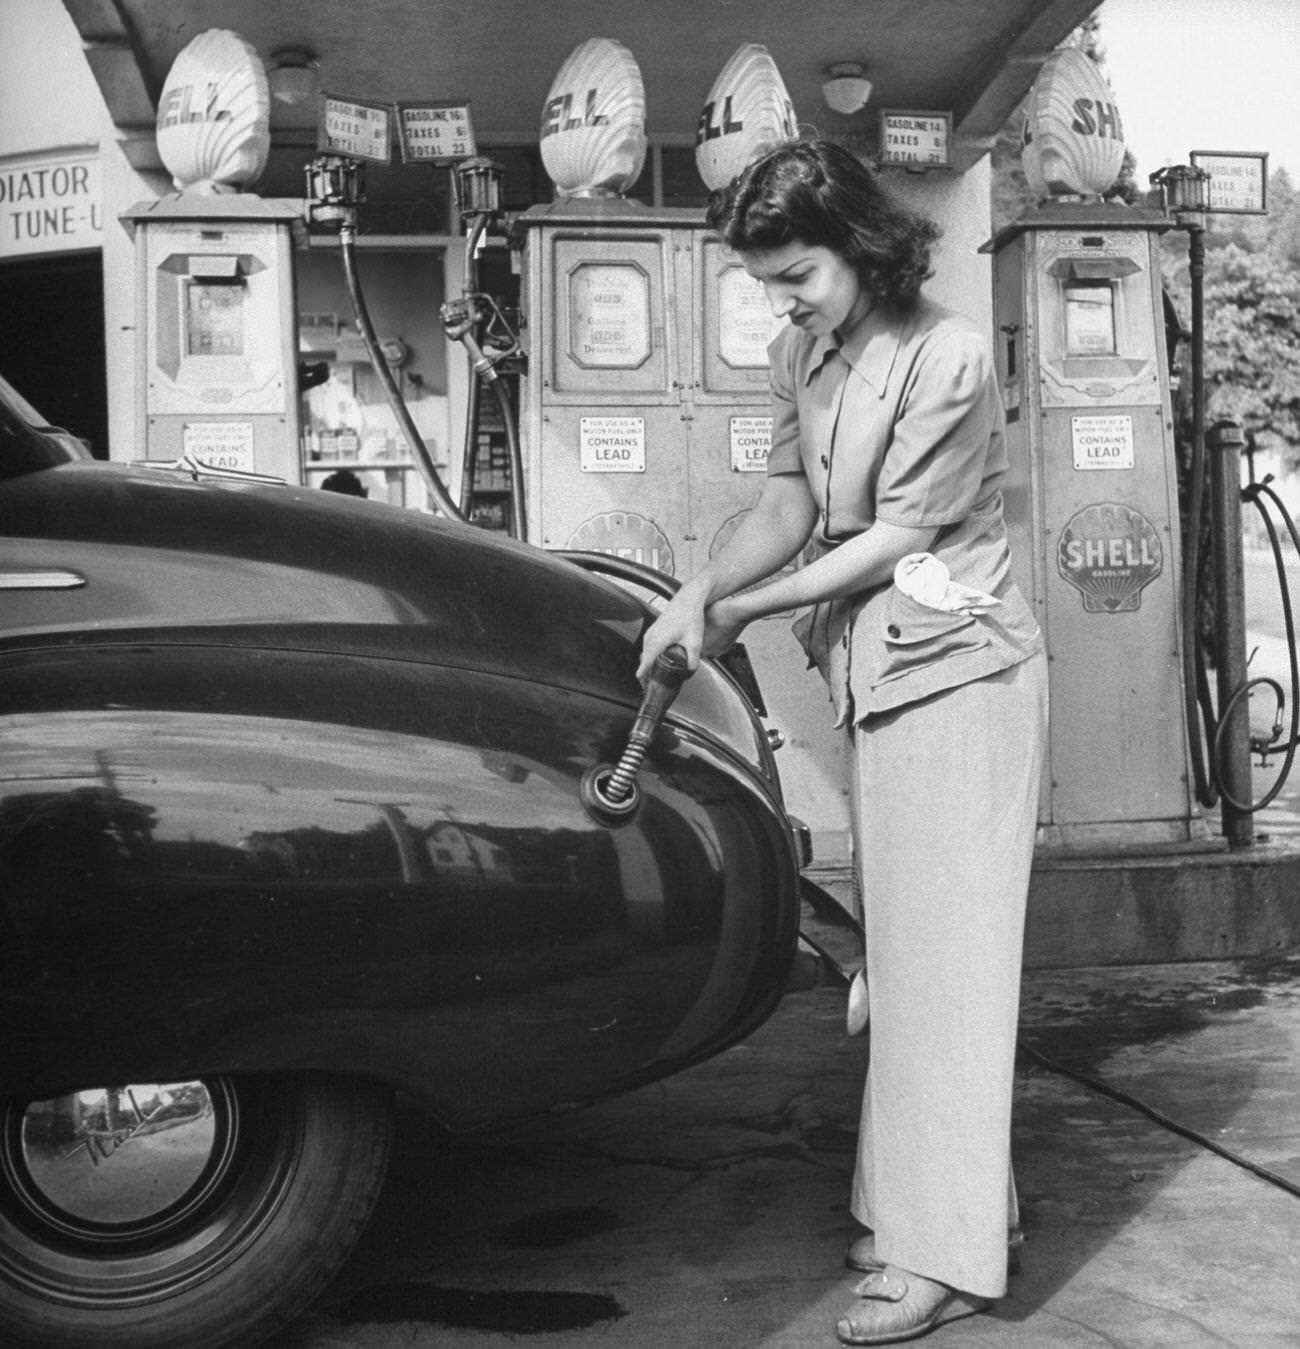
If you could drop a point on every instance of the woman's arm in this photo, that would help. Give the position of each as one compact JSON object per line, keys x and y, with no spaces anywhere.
{"x":860,"y":563}
{"x":766,"y":539}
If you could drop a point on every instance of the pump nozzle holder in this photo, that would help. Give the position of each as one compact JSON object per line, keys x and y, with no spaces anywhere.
{"x":335,"y":189}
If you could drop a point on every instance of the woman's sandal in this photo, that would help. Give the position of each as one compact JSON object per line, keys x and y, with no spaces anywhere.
{"x":894,"y":1305}
{"x":861,"y":1254}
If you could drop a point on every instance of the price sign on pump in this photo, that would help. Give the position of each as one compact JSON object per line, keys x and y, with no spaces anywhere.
{"x":916,"y":139}
{"x":435,"y":133}
{"x":355,"y":128}
{"x":1238,"y":180}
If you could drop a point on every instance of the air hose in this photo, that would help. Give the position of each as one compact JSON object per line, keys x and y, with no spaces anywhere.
{"x":1158,"y":1117}
{"x":1200,"y":711}
{"x":1204,"y":726}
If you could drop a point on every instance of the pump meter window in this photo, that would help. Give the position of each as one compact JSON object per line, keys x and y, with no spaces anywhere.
{"x":609,"y":315}
{"x":214,"y":319}
{"x":1090,"y":319}
{"x":746,"y":323}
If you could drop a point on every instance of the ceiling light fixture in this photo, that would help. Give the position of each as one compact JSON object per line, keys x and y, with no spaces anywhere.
{"x":846,"y":88}
{"x":293,"y":75}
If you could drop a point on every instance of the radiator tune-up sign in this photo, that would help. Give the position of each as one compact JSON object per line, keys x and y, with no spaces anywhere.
{"x":50,"y":204}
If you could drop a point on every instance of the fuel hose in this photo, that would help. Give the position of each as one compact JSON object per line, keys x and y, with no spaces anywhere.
{"x":442,"y":498}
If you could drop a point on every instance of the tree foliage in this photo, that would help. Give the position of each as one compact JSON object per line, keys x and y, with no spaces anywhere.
{"x":1252,"y":317}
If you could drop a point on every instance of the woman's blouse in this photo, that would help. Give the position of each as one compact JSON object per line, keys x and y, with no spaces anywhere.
{"x":902,"y":422}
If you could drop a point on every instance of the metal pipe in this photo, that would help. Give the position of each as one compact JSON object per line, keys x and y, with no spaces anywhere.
{"x":1205,"y":790}
{"x":519,"y":520}
{"x":469,"y":451}
{"x":1232,"y":741}
{"x":458,"y":322}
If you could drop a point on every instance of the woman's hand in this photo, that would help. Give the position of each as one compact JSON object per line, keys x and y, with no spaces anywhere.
{"x":680,"y":624}
{"x":701,"y":632}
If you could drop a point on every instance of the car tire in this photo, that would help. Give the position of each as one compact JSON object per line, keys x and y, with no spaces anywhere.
{"x":206,"y":1214}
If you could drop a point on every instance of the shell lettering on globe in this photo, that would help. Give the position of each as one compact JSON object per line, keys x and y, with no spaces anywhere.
{"x":214,"y":116}
{"x":1109,"y":553}
{"x":1073,"y":139}
{"x":748,"y":113}
{"x":593,"y":122}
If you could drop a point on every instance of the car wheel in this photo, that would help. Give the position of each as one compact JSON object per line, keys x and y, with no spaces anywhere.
{"x":205,"y":1213}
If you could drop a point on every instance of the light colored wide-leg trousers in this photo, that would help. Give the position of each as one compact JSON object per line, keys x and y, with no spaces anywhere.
{"x":945,"y":806}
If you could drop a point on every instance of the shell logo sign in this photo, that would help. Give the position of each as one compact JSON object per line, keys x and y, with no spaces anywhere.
{"x":748,"y":113}
{"x":1109,"y":553}
{"x":1073,"y":140}
{"x":593,"y":122}
{"x":214,"y":116}
{"x":628,"y":535}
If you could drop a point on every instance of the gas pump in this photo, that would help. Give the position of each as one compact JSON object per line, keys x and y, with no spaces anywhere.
{"x":216,"y":331}
{"x":216,"y":323}
{"x":1092,"y":501}
{"x":646,"y":409}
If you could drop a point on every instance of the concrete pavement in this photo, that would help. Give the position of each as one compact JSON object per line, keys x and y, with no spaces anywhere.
{"x":709,"y":1211}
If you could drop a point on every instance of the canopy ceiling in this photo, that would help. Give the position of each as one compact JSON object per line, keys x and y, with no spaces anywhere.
{"x":974,"y":58}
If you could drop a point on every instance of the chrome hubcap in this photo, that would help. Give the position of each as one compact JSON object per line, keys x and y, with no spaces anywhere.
{"x":117,"y":1156}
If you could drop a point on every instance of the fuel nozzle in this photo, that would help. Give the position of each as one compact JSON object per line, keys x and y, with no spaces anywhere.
{"x":609,"y":791}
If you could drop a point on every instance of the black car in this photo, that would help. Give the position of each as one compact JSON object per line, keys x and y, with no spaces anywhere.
{"x":300,"y":807}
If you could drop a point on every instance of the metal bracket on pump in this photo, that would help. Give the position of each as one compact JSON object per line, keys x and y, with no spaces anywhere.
{"x":335,"y":189}
{"x":475,"y":321}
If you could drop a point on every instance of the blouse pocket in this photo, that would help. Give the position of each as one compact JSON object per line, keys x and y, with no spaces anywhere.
{"x":915,"y":635}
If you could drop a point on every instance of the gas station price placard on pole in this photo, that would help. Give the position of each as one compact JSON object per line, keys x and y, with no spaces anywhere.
{"x":920,"y":140}
{"x":435,"y":133}
{"x":1238,"y":180}
{"x":355,"y":128}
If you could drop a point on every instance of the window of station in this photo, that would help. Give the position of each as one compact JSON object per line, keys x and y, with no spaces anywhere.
{"x":674,"y":179}
{"x":351,"y":438}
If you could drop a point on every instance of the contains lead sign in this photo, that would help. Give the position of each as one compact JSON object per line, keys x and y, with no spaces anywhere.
{"x":1103,"y":441}
{"x":612,"y":444}
{"x":751,"y":439}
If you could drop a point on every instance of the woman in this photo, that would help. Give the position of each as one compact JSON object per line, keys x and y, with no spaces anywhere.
{"x":886,"y":462}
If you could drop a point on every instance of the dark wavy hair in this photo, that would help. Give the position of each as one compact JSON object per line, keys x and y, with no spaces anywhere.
{"x":818,"y":193}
